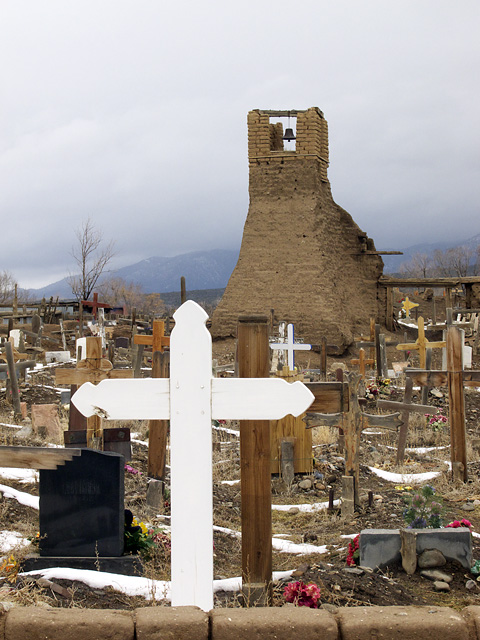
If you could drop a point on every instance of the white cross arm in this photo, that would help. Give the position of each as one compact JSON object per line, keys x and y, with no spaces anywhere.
{"x":239,"y":398}
{"x":140,"y":399}
{"x":284,"y":346}
{"x":258,"y":398}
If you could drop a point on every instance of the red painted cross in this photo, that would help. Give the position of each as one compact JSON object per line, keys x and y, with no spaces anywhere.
{"x":95,"y":304}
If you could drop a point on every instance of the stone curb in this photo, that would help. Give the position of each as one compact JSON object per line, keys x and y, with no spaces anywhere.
{"x":190,"y":623}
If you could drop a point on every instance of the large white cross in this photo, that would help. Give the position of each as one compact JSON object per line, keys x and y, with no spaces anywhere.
{"x":290,"y":346}
{"x":191,"y":398}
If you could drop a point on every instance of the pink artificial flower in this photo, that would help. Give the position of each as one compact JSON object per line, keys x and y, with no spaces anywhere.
{"x":130,"y":469}
{"x":462,"y":523}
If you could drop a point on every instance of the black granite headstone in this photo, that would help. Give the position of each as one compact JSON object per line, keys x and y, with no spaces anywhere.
{"x":82,"y":506}
{"x":122,"y":342}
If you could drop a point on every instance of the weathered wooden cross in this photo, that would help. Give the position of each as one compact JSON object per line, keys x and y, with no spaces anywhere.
{"x":190,"y":398}
{"x":406,"y":407}
{"x":455,"y":378}
{"x":290,"y":346}
{"x":421,"y":344}
{"x":158,"y":340}
{"x":379,"y":348}
{"x":15,"y":354}
{"x":353,"y":422}
{"x":362,"y":361}
{"x":92,"y":369}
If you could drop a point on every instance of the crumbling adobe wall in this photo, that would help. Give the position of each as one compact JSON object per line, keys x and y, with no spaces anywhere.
{"x":301,"y":255}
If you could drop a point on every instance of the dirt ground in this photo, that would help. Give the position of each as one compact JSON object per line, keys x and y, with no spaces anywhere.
{"x":328,"y":570}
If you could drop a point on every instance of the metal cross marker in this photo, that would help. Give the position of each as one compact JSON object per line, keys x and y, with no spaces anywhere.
{"x":191,"y":398}
{"x":290,"y":346}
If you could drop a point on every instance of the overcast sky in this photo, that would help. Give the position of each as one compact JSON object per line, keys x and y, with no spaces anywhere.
{"x":134,"y":112}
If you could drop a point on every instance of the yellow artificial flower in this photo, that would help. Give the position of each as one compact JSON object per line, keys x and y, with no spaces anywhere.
{"x":10,"y":568}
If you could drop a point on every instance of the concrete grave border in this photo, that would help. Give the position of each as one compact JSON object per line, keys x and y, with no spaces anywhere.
{"x":190,"y":623}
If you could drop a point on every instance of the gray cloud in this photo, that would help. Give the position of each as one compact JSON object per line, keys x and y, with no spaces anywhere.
{"x":135,"y":114}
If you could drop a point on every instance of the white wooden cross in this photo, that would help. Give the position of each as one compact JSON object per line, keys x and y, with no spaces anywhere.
{"x":191,"y":398}
{"x":290,"y":346}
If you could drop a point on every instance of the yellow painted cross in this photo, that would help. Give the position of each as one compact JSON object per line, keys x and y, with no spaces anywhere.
{"x":421,"y":344}
{"x":158,"y":340}
{"x":408,"y":306}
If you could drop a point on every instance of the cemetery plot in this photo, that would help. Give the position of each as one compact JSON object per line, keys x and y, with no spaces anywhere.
{"x":291,"y":524}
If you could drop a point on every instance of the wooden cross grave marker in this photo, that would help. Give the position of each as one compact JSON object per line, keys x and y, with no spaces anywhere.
{"x":191,"y":398}
{"x":379,"y":345}
{"x":407,"y":306}
{"x":353,"y":422}
{"x":15,"y":354}
{"x":95,"y":304}
{"x":362,"y":361}
{"x":455,"y":378}
{"x":12,"y":367}
{"x":370,"y":342}
{"x":421,"y":344}
{"x":92,"y":369}
{"x":158,"y":340}
{"x":406,"y":408}
{"x":290,"y":346}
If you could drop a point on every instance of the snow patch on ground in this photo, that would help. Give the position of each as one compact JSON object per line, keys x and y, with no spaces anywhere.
{"x":20,"y":496}
{"x":11,"y":539}
{"x":134,"y":585}
{"x":306,"y":508}
{"x":283,"y":546}
{"x":405,"y":478}
{"x":22,"y":475}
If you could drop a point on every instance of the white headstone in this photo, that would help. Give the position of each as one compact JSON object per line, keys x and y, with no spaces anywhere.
{"x":57,"y":356}
{"x":15,"y":334}
{"x":82,"y":343}
{"x":467,"y":357}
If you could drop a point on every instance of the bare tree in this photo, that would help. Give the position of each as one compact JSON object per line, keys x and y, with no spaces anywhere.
{"x":92,"y":256}
{"x":7,"y":287}
{"x":116,"y":291}
{"x":457,"y":261}
{"x":419,"y":266}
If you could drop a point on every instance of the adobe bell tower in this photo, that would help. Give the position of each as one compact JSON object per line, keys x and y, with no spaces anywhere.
{"x":301,"y":255}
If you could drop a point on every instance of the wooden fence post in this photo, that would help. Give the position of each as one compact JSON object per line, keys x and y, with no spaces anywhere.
{"x":13,"y":379}
{"x":254,"y":362}
{"x":158,"y":429}
{"x":389,"y":312}
{"x":183,"y":290}
{"x":456,"y":401}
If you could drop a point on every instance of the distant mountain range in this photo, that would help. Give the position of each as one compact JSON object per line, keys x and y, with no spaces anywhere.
{"x":212,"y":269}
{"x":201,"y":269}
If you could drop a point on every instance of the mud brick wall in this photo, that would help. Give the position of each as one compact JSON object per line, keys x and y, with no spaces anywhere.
{"x":302,"y":254}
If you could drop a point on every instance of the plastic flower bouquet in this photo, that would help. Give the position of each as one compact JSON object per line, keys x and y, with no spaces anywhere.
{"x":302,"y":595}
{"x":422,"y":511}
